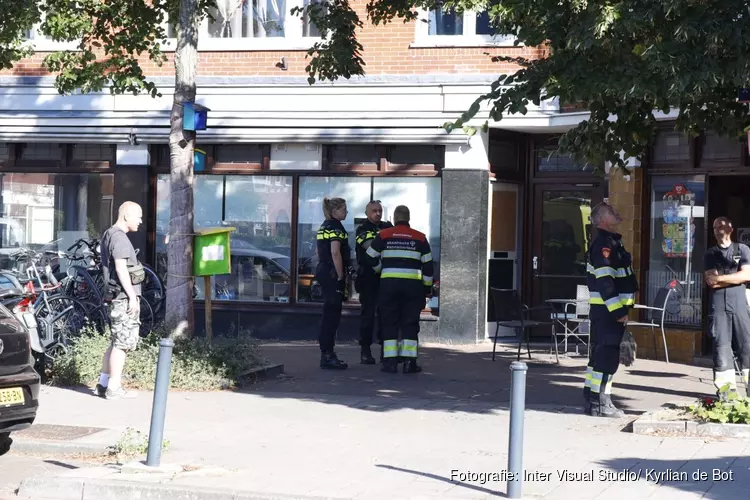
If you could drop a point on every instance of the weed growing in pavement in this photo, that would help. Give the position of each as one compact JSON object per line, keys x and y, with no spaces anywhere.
{"x":132,"y":443}
{"x":196,"y":365}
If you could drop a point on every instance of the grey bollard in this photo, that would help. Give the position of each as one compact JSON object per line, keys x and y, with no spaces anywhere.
{"x":159,"y":409}
{"x":515,"y":442}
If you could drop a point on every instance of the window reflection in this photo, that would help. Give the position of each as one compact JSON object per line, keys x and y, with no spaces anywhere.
{"x":259,"y":208}
{"x":37,"y":209}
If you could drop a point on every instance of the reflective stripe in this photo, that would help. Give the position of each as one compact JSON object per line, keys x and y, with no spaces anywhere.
{"x":595,"y":299}
{"x":588,"y":377}
{"x":608,"y":386}
{"x":327,"y":234}
{"x":427,"y":280}
{"x":396,"y":272}
{"x":409,"y":348}
{"x":627,"y":299}
{"x":596,"y":381}
{"x":605,"y":271}
{"x":401,"y":254}
{"x":390,"y":348}
{"x":373,"y":253}
{"x":368,"y":235}
{"x":613,"y":304}
{"x":427,"y":257}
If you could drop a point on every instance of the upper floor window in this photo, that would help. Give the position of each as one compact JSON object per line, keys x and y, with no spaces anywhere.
{"x":255,"y":24}
{"x":446,"y":27}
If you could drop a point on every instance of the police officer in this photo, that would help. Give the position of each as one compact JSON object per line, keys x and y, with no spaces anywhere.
{"x":405,"y":281}
{"x":612,"y":286}
{"x":727,"y":269}
{"x":333,"y":262}
{"x":368,"y":279}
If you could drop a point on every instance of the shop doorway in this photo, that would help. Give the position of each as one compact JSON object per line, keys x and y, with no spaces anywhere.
{"x":505,"y":230}
{"x":727,"y":195}
{"x":561,"y":235}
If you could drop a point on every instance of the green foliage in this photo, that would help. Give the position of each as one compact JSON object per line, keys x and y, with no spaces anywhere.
{"x":196,"y":365}
{"x":730,"y":408}
{"x":133,"y":443}
{"x":19,"y":17}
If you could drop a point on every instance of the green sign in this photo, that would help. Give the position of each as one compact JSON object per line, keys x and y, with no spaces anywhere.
{"x":211,"y":251}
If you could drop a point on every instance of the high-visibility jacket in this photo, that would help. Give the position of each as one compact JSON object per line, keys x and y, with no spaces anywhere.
{"x":611,"y":280}
{"x":332,"y":230}
{"x":404,"y":254}
{"x":367,"y":232}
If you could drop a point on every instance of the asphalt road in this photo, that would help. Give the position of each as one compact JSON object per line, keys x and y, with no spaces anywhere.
{"x":15,"y":467}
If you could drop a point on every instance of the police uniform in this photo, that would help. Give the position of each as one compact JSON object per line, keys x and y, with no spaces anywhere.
{"x":334,"y":291}
{"x":405,"y":280}
{"x":367,"y":285}
{"x":612,"y":287}
{"x":729,"y":316}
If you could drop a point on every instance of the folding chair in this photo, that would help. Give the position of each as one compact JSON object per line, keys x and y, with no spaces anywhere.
{"x":510,"y":312}
{"x":577,"y":312}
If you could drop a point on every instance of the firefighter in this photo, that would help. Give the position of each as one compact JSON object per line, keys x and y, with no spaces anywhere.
{"x":727,"y":269}
{"x":612,"y":287}
{"x":333,"y":255}
{"x":367,"y":282}
{"x":405,"y":281}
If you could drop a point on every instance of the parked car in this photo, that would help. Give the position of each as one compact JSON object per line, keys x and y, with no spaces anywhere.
{"x":19,"y":383}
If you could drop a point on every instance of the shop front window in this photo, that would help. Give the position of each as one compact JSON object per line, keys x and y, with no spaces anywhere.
{"x":677,"y":246}
{"x":259,"y":208}
{"x":52,"y":209}
{"x":421,"y":195}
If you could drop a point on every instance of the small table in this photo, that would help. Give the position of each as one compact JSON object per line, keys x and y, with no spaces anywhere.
{"x":563,"y":321}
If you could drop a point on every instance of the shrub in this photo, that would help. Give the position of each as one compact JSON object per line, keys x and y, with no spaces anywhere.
{"x":730,"y":408}
{"x":196,"y":365}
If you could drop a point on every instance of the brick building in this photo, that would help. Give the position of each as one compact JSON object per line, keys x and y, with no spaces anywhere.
{"x":498,"y":209}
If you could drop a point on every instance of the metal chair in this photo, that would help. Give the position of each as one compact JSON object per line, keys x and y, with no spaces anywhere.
{"x":510,"y":312}
{"x":656,"y":314}
{"x":577,"y":312}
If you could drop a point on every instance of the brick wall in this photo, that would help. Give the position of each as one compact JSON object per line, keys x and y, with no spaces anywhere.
{"x":386,"y":51}
{"x":627,"y":197}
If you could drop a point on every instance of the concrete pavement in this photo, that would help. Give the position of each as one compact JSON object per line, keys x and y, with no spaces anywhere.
{"x":364,"y":434}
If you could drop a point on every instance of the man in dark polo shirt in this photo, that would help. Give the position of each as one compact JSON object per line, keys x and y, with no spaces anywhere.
{"x":118,"y":260}
{"x":727,"y":269}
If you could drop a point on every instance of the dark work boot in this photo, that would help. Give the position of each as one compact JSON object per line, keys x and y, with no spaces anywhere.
{"x":411,"y":366}
{"x":390,"y":365}
{"x":366,"y":356}
{"x":602,"y":406}
{"x":329,"y":361}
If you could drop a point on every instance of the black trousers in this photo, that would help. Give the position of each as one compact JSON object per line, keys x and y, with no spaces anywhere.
{"x":604,"y":355}
{"x":725,"y":326}
{"x":401,"y":301}
{"x":369,"y":288}
{"x":332,"y":305}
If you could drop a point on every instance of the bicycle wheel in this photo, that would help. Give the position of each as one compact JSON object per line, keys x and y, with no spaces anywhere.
{"x":152,"y":289}
{"x":59,"y":319}
{"x":147,"y":317}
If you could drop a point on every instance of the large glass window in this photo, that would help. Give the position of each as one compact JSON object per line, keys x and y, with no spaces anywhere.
{"x":677,"y":245}
{"x":259,"y":207}
{"x":421,"y":195}
{"x":38,"y":209}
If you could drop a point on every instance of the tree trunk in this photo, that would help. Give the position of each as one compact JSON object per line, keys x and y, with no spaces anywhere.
{"x":179,"y":313}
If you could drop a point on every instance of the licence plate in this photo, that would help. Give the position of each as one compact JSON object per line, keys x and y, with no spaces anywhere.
{"x":13,"y":396}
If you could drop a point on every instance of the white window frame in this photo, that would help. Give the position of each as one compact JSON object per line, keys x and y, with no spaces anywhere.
{"x":40,"y":43}
{"x":292,"y":39}
{"x":423,"y":39}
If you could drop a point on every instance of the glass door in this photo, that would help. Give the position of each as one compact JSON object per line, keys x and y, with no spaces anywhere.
{"x":561,"y":237}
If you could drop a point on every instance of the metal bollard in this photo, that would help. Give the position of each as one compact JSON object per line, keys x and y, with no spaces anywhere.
{"x":515,"y":441}
{"x":159,"y":408}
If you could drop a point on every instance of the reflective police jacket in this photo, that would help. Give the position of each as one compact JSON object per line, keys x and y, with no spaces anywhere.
{"x":404,"y":254}
{"x":367,"y":232}
{"x":611,"y":281}
{"x":332,"y":230}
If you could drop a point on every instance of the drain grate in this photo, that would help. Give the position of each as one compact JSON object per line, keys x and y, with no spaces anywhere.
{"x":57,"y":432}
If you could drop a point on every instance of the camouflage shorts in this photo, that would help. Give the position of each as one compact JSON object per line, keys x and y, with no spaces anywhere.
{"x":125,"y":327}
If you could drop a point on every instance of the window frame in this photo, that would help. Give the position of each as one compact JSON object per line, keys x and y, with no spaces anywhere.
{"x":293,"y":38}
{"x":66,"y":164}
{"x":469,"y":38}
{"x":42,"y":43}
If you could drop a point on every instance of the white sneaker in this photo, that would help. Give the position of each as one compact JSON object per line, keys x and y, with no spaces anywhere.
{"x":119,"y":393}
